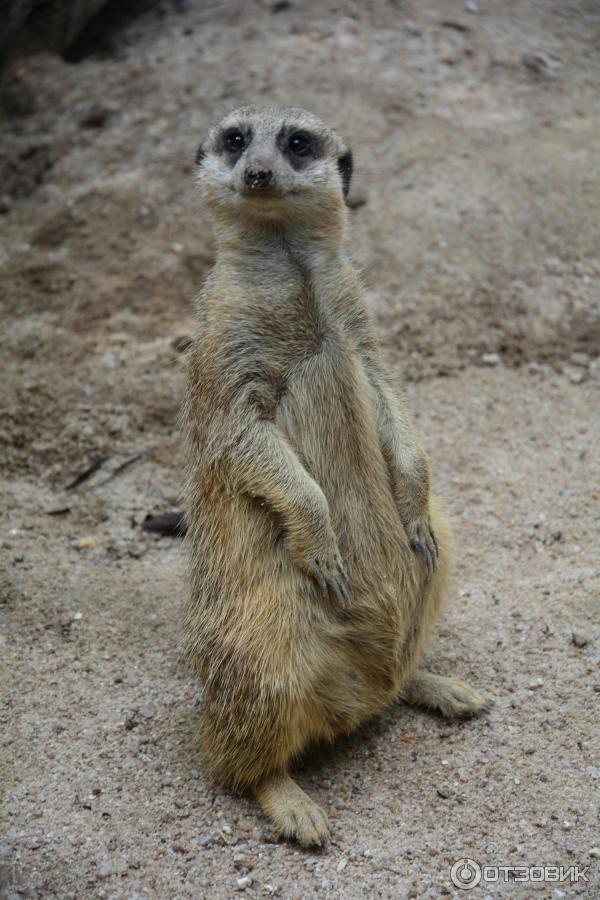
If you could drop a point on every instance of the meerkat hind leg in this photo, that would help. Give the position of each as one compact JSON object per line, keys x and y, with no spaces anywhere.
{"x":452,"y":696}
{"x":292,"y":811}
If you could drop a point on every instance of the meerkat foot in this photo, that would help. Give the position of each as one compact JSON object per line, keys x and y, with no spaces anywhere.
{"x":294,"y":814}
{"x":453,"y":697}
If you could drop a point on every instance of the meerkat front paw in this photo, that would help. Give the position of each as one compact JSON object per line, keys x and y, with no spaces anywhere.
{"x":329,"y":572}
{"x":423,"y":541}
{"x":324,"y":563}
{"x":293,"y":813}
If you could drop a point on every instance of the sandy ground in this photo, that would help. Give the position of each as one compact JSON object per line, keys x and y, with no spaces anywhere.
{"x":476,"y":223}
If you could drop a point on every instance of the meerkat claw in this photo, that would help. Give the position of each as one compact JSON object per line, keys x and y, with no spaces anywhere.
{"x":339,"y":590}
{"x":320,"y":580}
{"x":435,"y":543}
{"x":337,"y":582}
{"x":420,"y":548}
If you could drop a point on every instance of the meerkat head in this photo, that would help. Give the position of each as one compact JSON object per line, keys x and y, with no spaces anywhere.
{"x":277,"y":165}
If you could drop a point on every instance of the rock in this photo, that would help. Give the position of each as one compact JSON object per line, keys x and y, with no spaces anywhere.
{"x":342,"y":865}
{"x":490,"y":359}
{"x":575,"y":376}
{"x":136,"y":549}
{"x":579,"y":638}
{"x":96,"y":117}
{"x":540,"y":64}
{"x":595,"y":852}
{"x":580,"y":359}
{"x":243,"y":883}
{"x":116,"y":865}
{"x":536,"y":684}
{"x":146,"y":214}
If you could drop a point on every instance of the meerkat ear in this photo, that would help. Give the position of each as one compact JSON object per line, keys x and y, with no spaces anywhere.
{"x":200,"y":154}
{"x":345,"y":169}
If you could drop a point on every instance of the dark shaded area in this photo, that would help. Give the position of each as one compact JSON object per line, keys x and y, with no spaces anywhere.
{"x":104,"y":31}
{"x":76,"y":28}
{"x":167,"y":524}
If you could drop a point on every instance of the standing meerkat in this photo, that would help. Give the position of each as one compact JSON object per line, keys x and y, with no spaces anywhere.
{"x":318,"y":557}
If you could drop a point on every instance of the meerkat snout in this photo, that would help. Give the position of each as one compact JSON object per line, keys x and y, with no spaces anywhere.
{"x":257,"y":177}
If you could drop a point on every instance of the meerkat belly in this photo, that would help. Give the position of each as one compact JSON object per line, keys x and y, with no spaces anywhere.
{"x":328,"y":415}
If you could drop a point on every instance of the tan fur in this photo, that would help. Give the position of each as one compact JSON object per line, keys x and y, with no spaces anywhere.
{"x":300,"y":449}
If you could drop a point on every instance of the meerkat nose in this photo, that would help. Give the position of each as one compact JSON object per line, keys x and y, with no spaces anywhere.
{"x":258,"y":178}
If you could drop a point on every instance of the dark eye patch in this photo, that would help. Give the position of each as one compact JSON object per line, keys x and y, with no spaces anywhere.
{"x":233,"y":141}
{"x":299,"y":146}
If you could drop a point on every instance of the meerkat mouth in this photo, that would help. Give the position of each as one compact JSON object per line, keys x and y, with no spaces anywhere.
{"x":262,"y":194}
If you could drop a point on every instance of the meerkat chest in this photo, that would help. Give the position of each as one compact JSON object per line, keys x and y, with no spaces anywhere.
{"x":300,"y":317}
{"x":285,"y":334}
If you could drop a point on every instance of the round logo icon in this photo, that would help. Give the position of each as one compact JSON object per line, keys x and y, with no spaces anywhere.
{"x":465,"y":874}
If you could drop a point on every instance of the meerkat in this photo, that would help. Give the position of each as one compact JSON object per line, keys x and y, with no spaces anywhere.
{"x":318,"y":555}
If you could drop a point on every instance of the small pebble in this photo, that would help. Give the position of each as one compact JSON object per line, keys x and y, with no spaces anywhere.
{"x":536,"y":684}
{"x":96,"y":116}
{"x":490,"y":359}
{"x":342,"y":865}
{"x":243,"y":883}
{"x":117,"y":865}
{"x":576,"y":376}
{"x":580,"y":359}
{"x":595,"y":852}
{"x":579,"y":638}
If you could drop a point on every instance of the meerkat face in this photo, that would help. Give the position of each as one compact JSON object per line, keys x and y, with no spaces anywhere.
{"x":273,"y":163}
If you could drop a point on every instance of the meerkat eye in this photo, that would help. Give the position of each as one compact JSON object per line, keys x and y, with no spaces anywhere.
{"x":300,"y":143}
{"x":234,"y":140}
